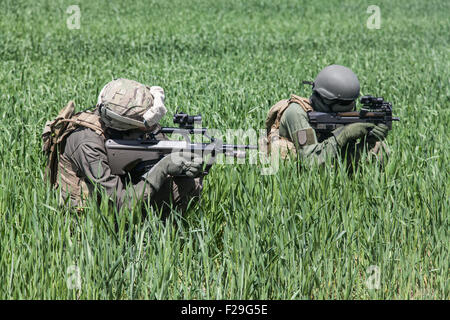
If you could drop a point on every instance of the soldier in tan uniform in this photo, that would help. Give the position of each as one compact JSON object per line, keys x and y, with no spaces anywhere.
{"x":78,"y":162}
{"x":335,"y":89}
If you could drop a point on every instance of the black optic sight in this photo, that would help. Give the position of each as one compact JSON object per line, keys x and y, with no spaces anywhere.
{"x":374,"y":102}
{"x":186,"y":121}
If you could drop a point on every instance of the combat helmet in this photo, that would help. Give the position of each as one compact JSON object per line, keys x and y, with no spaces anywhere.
{"x":335,"y":89}
{"x":126,"y":104}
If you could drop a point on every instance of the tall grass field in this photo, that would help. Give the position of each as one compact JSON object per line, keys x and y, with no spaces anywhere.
{"x":308,"y":233}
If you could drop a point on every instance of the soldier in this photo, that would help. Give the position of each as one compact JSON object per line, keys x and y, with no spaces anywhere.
{"x":335,"y":89}
{"x":78,"y":162}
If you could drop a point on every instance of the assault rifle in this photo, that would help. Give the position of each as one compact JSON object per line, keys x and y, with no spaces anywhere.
{"x":135,"y":157}
{"x":375,"y":110}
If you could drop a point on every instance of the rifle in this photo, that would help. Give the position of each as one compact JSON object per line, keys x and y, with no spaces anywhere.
{"x":375,"y":110}
{"x":136,"y":157}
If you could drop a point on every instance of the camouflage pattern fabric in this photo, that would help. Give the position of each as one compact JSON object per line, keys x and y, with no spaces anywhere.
{"x":295,"y":121}
{"x":274,"y":142}
{"x":126,"y":98}
{"x":88,"y":162}
{"x":290,"y":134}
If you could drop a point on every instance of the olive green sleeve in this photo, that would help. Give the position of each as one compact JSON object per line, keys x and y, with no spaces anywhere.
{"x":294,"y":125}
{"x":86,"y":150}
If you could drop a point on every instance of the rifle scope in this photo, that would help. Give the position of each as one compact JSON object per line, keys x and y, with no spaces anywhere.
{"x":184,"y":120}
{"x":374,"y":102}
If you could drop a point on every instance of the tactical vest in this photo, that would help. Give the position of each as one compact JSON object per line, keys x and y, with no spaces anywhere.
{"x":273,"y":141}
{"x":60,"y":171}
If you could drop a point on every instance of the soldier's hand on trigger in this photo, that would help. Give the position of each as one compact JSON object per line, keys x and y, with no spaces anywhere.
{"x":174,"y":164}
{"x":380,"y":132}
{"x":352,"y":132}
{"x":183,"y":163}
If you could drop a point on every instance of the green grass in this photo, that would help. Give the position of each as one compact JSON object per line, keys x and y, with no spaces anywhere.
{"x":294,"y":235}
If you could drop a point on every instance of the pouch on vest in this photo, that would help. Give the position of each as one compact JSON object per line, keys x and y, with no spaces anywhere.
{"x":273,"y":123}
{"x":52,"y":135}
{"x":56,"y":131}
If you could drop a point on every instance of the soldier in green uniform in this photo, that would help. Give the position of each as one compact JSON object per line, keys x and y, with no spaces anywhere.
{"x":335,"y":89}
{"x":78,"y":163}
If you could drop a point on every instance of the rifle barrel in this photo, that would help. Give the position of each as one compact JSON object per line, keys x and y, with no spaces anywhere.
{"x":170,"y":130}
{"x":239,"y":146}
{"x":359,"y":114}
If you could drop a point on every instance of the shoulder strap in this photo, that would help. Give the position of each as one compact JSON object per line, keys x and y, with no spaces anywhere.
{"x":56,"y":132}
{"x":88,"y":120}
{"x":280,"y":113}
{"x":83,"y":119}
{"x":276,"y":112}
{"x":303,"y":102}
{"x":272,"y":116}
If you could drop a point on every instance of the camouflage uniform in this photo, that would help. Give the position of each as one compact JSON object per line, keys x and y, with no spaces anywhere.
{"x":293,"y":135}
{"x":78,"y":162}
{"x":85,"y":152}
{"x":294,"y":125}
